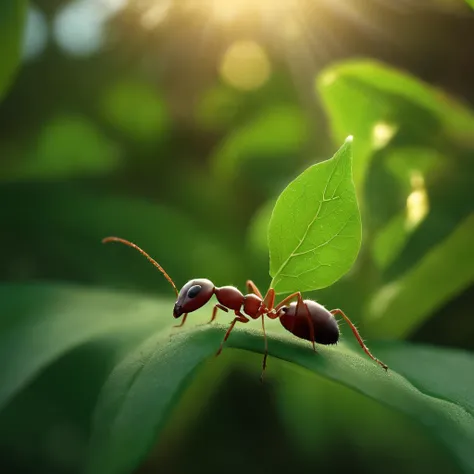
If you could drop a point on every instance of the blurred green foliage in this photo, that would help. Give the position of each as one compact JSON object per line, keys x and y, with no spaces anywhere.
{"x":12,"y":19}
{"x":144,"y":140}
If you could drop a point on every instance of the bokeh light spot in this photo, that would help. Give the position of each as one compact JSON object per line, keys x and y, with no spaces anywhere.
{"x":79,"y":27}
{"x":36,"y":34}
{"x":417,"y":202}
{"x":382,"y":133}
{"x":245,"y":66}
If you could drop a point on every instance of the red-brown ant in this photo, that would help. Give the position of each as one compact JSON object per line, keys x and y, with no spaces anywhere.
{"x":305,"y":319}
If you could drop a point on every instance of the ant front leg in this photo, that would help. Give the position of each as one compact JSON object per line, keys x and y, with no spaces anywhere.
{"x":185,"y":315}
{"x":214,"y":311}
{"x":357,"y":335}
{"x":239,"y":318}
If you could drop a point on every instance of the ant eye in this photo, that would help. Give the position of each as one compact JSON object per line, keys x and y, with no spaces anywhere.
{"x":194,"y":291}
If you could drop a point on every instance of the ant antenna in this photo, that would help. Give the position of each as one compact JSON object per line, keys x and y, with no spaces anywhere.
{"x":153,"y":262}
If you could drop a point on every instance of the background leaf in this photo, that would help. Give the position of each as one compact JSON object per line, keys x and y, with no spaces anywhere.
{"x":69,"y":222}
{"x":314,"y":233}
{"x":12,"y":20}
{"x":401,"y":306}
{"x":275,"y":138}
{"x":42,"y":322}
{"x":377,"y":103}
{"x":67,"y":146}
{"x":136,"y":110}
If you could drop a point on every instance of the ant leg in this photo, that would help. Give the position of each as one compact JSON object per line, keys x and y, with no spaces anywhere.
{"x":308,"y":317}
{"x":286,"y":300}
{"x":269,"y":300}
{"x":273,"y":312}
{"x":359,"y":339}
{"x":239,"y":317}
{"x":214,"y":311}
{"x":252,"y":288}
{"x":182,"y":322}
{"x":300,"y":302}
{"x":264,"y":364}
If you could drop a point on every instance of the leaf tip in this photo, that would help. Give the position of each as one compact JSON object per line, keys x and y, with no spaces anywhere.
{"x":349,"y":139}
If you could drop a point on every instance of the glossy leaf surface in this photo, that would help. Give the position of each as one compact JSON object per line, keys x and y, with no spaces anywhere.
{"x":140,"y":393}
{"x":315,"y":231}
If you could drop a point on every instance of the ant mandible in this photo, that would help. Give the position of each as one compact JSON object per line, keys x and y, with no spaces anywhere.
{"x":305,"y":319}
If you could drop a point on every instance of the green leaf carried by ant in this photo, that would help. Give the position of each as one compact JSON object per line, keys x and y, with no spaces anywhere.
{"x":315,"y":231}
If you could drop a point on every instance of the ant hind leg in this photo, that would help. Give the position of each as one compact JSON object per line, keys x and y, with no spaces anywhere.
{"x":359,"y":339}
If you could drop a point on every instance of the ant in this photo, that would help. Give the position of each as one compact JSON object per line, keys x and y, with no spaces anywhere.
{"x":305,"y":319}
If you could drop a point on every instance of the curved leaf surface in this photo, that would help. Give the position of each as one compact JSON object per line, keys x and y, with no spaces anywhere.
{"x":315,"y":230}
{"x":39,"y":323}
{"x":139,"y":394}
{"x":429,"y":368}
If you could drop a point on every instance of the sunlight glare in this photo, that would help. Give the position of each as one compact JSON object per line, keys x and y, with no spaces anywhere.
{"x":226,"y":11}
{"x":245,"y":66}
{"x":156,"y":14}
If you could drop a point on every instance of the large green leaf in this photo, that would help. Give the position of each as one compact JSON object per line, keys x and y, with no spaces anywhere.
{"x":320,"y":418}
{"x":401,"y":306}
{"x":39,"y":323}
{"x":12,"y":20}
{"x":428,"y":368}
{"x":140,"y":393}
{"x":470,"y":2}
{"x":315,"y":231}
{"x":375,"y":102}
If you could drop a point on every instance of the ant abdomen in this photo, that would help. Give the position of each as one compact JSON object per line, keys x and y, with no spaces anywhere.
{"x":326,"y":329}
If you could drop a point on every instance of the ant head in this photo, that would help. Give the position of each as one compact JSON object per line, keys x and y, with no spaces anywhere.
{"x":194,"y":295}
